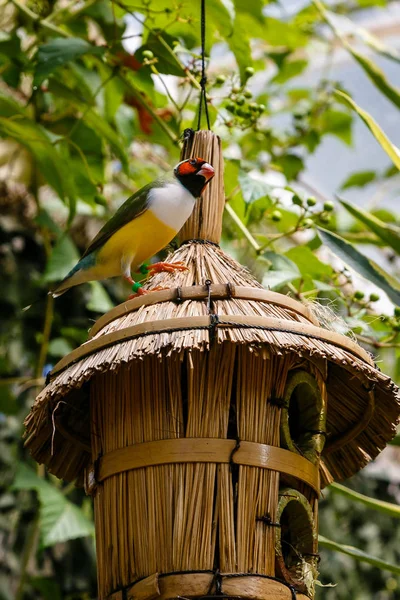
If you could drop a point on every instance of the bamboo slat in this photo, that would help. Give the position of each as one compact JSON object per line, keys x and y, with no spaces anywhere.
{"x":207,"y":450}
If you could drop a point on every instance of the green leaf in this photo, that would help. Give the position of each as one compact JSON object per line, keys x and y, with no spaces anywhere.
{"x":388,"y":233}
{"x":282,"y":270}
{"x":343,"y":26}
{"x":358,"y":555}
{"x":309,"y":265}
{"x":391,"y":150}
{"x":160,"y":44}
{"x":387,"y":508}
{"x":240,"y":46}
{"x":336,"y":123}
{"x":252,"y":7}
{"x":59,"y":347}
{"x":358,"y":179}
{"x":252,"y":187}
{"x":228,"y":24}
{"x":99,"y":301}
{"x":289,"y":69}
{"x":49,"y":162}
{"x":99,"y":126}
{"x":60,"y":520}
{"x":63,"y":257}
{"x":361,"y":264}
{"x":58,"y":52}
{"x":377,"y":76}
{"x":291,"y":165}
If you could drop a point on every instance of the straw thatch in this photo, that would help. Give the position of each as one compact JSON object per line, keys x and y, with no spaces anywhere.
{"x":349,"y":382}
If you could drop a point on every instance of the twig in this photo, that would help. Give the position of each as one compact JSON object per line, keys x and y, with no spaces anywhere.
{"x":242,"y":228}
{"x":42,"y":22}
{"x":48,"y":320}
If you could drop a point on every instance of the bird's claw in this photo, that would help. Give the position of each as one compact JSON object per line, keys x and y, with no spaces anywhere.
{"x":164,"y":267}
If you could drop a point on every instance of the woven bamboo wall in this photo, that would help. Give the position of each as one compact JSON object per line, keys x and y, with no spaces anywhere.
{"x":195,"y":516}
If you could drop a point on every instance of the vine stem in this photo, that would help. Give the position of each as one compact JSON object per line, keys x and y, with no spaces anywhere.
{"x":242,"y":227}
{"x":48,"y":321}
{"x":28,"y":550}
{"x":42,"y":22}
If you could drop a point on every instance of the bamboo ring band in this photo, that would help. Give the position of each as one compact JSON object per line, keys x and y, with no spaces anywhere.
{"x":205,"y":450}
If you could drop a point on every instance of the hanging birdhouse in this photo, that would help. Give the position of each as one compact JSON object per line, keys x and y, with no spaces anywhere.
{"x":204,"y":419}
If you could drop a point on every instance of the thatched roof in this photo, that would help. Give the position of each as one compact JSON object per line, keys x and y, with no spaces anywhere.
{"x":363,"y":403}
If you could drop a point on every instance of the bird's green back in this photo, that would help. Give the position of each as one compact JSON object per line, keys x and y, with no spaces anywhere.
{"x":128,"y":211}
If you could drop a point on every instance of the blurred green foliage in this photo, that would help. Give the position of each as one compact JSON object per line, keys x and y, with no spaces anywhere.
{"x":94,"y":98}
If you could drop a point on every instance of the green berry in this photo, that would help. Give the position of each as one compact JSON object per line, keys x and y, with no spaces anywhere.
{"x":397,"y":311}
{"x":276,"y":215}
{"x":297,"y":200}
{"x":396,"y":327}
{"x":307,"y":223}
{"x":148,"y":54}
{"x":329,"y":206}
{"x":236,"y":90}
{"x":359,"y":295}
{"x":242,"y":112}
{"x":311,"y":201}
{"x":230,"y":106}
{"x":261,"y":108}
{"x":220,"y":79}
{"x":247,"y":94}
{"x":374,"y":297}
{"x":325,"y":217}
{"x":240,"y":100}
{"x":253,"y":106}
{"x":249,"y":71}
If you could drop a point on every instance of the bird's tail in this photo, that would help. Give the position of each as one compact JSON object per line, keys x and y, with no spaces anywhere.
{"x":78,"y":274}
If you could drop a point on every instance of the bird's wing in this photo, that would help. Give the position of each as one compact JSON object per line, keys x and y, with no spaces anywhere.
{"x":128,"y":211}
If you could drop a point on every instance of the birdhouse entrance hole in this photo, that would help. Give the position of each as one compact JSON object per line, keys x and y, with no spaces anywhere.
{"x":295,"y":543}
{"x":304,"y":416}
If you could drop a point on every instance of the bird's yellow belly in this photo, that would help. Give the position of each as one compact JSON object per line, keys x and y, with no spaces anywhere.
{"x":135,"y":242}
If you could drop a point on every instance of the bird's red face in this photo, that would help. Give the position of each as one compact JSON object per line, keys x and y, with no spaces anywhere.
{"x":194,"y":174}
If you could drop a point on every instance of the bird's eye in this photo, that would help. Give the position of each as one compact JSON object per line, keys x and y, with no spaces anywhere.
{"x":193,"y":162}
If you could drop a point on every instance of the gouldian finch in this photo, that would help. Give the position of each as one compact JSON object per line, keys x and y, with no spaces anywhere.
{"x":142,"y":226}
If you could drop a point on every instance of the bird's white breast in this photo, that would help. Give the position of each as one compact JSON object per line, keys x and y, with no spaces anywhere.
{"x":172,"y":204}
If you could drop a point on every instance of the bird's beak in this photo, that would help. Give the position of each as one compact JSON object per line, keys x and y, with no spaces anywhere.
{"x":207,"y":171}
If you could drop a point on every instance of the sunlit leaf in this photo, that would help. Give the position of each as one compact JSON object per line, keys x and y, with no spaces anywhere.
{"x":61,"y":51}
{"x":336,"y":123}
{"x":289,"y":69}
{"x":63,"y":257}
{"x":252,"y":7}
{"x":309,"y":265}
{"x":358,"y":179}
{"x":370,"y":122}
{"x":388,"y":233}
{"x":253,"y":187}
{"x":99,"y":301}
{"x":282,"y":271}
{"x":361,"y":264}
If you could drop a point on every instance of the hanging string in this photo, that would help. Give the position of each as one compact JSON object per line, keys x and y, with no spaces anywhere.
{"x":203,"y":80}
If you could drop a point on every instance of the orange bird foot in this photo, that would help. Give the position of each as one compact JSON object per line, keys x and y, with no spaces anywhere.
{"x":128,"y":279}
{"x":164,"y":267}
{"x":142,"y":292}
